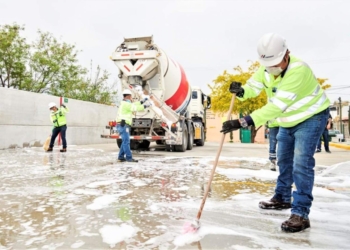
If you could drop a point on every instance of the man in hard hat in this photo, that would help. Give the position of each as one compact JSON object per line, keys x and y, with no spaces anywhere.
{"x":300,"y":107}
{"x":58,"y":118}
{"x":124,"y":120}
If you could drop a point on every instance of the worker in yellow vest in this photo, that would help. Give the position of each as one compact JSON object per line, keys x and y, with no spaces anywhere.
{"x":59,"y":121}
{"x":301,"y":109}
{"x":124,"y":120}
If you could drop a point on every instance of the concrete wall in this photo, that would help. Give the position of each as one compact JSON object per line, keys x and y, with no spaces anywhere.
{"x":25,"y":119}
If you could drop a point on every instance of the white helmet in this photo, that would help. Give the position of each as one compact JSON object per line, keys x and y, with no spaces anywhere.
{"x":126,"y":92}
{"x":52,"y":104}
{"x":271,"y":49}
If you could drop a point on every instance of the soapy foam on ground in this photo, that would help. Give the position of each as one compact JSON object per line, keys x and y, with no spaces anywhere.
{"x":167,"y":193}
{"x":113,"y":234}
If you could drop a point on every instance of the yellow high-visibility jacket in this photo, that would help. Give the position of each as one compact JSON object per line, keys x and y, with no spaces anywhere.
{"x":293,"y":98}
{"x":58,"y":118}
{"x":126,"y":109}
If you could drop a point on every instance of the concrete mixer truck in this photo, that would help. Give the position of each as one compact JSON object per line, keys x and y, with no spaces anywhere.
{"x":176,"y":116}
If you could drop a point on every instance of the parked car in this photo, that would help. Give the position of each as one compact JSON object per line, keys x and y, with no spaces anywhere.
{"x":335,"y":133}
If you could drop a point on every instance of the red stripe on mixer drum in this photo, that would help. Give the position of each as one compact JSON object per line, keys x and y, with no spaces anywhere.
{"x":181,"y":93}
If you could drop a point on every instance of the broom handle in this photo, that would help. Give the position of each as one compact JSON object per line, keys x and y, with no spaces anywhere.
{"x":216,"y":161}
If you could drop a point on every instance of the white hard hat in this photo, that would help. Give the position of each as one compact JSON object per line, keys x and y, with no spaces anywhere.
{"x":126,"y":92}
{"x":52,"y":104}
{"x":271,"y":49}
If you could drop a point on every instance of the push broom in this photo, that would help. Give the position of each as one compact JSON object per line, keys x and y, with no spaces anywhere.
{"x":195,"y":225}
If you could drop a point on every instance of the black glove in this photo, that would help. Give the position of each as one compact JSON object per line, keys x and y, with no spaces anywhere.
{"x":143,"y":101}
{"x":236,"y":88}
{"x":230,"y":125}
{"x":62,"y":105}
{"x":146,"y":105}
{"x":122,"y":123}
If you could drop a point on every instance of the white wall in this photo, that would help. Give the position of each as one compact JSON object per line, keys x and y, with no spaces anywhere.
{"x":25,"y":119}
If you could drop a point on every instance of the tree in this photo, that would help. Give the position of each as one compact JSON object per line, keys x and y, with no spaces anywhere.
{"x":94,"y":89}
{"x":48,"y":66}
{"x":53,"y":66}
{"x":322,"y":82}
{"x":221,"y":97}
{"x":14,"y":53}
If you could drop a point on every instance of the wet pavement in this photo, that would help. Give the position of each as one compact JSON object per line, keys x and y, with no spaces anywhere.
{"x":85,"y":199}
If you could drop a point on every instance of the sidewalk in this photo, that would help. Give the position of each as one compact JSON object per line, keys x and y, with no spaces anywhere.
{"x":343,"y":145}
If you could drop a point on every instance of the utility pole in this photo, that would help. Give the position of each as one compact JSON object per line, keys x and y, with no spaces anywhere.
{"x":340,"y":115}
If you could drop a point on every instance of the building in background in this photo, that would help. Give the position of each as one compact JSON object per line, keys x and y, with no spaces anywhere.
{"x":340,"y":114}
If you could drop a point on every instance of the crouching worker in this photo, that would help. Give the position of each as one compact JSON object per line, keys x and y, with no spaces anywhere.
{"x":124,"y":120}
{"x":58,"y":118}
{"x":300,"y":107}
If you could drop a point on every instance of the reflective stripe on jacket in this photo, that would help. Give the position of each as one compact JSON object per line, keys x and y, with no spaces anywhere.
{"x":58,"y":118}
{"x":126,"y":109}
{"x":293,"y":98}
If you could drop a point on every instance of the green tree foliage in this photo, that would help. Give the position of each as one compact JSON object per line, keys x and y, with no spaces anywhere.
{"x":14,"y":53}
{"x":53,"y":66}
{"x":48,"y":66}
{"x":94,"y":89}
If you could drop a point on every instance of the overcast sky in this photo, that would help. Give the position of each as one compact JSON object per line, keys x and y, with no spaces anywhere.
{"x":205,"y":37}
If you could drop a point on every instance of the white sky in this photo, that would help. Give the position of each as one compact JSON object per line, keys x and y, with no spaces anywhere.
{"x":205,"y":37}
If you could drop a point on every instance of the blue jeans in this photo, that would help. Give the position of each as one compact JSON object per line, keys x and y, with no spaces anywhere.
{"x":325,"y":140}
{"x":295,"y":154}
{"x":55,"y":133}
{"x":273,"y":142}
{"x":124,"y":152}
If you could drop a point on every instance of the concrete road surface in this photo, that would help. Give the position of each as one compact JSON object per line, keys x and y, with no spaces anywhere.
{"x":85,"y":199}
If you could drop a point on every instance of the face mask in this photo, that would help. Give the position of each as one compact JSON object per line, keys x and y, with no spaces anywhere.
{"x":274,"y":70}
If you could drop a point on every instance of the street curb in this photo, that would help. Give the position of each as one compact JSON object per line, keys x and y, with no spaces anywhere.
{"x":337,"y":145}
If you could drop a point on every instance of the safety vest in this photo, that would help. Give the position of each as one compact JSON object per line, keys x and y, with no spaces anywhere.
{"x":58,"y":118}
{"x":293,"y":98}
{"x":126,"y":109}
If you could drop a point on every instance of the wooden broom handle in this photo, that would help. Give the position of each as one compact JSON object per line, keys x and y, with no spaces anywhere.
{"x":216,"y":161}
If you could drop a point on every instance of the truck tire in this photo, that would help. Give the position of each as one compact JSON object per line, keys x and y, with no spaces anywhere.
{"x":200,"y":142}
{"x":119,"y":142}
{"x":145,"y":144}
{"x":183,"y":146}
{"x":168,"y":147}
{"x":159,"y":142}
{"x":134,"y":145}
{"x":190,"y":138}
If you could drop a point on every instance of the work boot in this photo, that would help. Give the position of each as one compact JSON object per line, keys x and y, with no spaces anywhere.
{"x":318,"y":150}
{"x":273,"y":165}
{"x":49,"y":150}
{"x":274,"y":204}
{"x":328,"y":151}
{"x":132,"y":160}
{"x":295,"y":223}
{"x":121,"y":160}
{"x":63,"y":150}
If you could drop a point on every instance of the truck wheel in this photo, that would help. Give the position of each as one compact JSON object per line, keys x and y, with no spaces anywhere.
{"x":200,"y":142}
{"x":145,"y":144}
{"x":134,"y":145}
{"x":182,"y":148}
{"x":190,"y":138}
{"x":119,"y":142}
{"x":159,"y":142}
